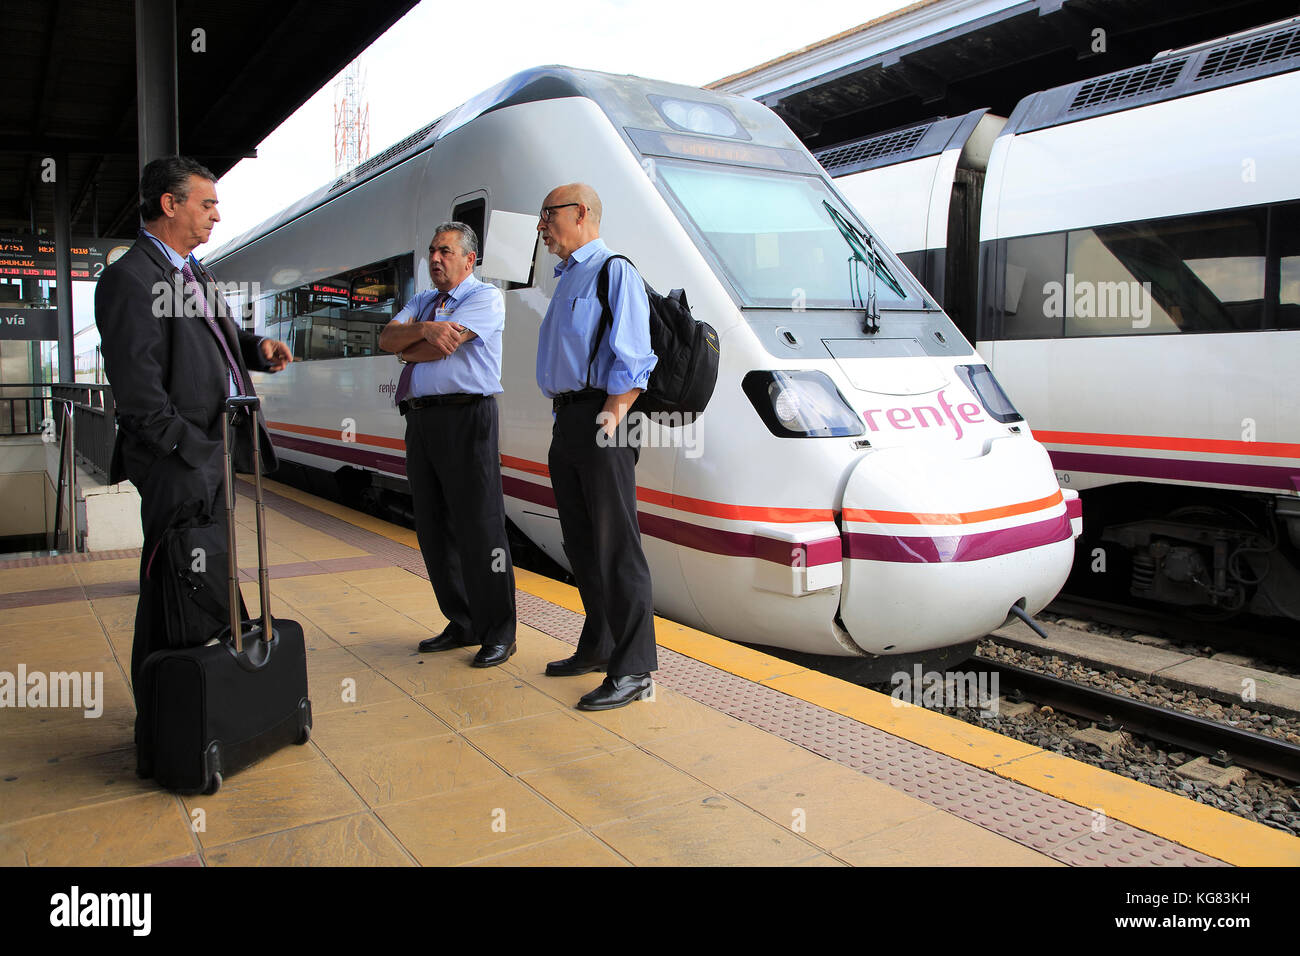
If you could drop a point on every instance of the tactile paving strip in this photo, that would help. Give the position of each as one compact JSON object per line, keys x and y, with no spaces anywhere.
{"x":1064,"y":831}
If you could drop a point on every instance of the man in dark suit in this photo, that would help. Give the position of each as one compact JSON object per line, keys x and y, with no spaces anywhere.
{"x":173,"y":354}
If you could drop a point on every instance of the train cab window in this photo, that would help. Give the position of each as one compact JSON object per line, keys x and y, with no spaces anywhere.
{"x":473,"y":214}
{"x":776,"y":239}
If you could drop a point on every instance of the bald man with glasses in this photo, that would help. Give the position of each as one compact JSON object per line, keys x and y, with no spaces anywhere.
{"x":593,"y":476}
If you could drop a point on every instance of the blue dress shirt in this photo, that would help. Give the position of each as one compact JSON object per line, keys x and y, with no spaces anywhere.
{"x":475,"y":367}
{"x":624,"y":360}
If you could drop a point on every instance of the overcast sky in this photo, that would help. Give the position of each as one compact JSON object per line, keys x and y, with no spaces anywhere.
{"x":412,"y":77}
{"x":441,"y":54}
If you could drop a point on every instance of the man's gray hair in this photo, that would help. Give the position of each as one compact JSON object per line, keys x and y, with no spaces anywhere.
{"x":170,"y":174}
{"x":468,"y":241}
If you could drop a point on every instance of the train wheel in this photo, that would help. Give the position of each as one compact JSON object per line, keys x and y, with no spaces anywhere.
{"x":1230,"y":519}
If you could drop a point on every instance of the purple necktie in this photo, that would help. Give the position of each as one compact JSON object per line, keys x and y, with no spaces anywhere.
{"x":192,"y":286}
{"x":404,"y":381}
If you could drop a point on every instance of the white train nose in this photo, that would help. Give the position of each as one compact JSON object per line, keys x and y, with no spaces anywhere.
{"x":937,"y":548}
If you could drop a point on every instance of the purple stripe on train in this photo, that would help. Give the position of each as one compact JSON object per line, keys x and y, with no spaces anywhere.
{"x":1178,"y":469}
{"x":944,"y":549}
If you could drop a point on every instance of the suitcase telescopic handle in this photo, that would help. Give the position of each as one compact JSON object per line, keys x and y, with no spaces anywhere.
{"x":234,"y":405}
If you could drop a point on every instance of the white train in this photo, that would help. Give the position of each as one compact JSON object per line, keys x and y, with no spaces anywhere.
{"x":848,"y":492}
{"x":1137,"y":242}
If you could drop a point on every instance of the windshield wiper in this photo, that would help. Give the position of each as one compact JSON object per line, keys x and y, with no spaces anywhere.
{"x":863,"y":249}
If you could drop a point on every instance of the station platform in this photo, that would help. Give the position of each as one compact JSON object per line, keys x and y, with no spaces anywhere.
{"x":419,"y":759}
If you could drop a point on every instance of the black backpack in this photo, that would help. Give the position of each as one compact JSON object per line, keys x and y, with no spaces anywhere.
{"x":682,"y":381}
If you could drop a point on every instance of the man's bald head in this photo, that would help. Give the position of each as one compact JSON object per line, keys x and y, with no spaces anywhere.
{"x":570,"y":218}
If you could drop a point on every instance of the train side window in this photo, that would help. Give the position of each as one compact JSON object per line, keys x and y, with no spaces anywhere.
{"x":1202,"y":273}
{"x":1284,"y":232}
{"x":1035,"y":280}
{"x":341,"y":316}
{"x":473,"y":214}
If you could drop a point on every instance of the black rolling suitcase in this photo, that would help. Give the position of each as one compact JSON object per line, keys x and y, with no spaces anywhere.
{"x":208,"y":711}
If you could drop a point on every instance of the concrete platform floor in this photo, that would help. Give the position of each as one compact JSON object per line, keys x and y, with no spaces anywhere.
{"x":420,"y":759}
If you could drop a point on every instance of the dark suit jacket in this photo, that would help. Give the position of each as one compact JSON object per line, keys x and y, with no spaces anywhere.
{"x":168,"y":373}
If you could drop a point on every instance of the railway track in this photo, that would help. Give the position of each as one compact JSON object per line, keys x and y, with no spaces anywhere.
{"x":1181,"y":731}
{"x":1276,"y":643}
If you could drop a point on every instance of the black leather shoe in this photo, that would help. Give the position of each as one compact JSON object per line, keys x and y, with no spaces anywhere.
{"x":449,"y":639}
{"x":572,"y":666}
{"x":618,"y":692}
{"x":490,"y":655}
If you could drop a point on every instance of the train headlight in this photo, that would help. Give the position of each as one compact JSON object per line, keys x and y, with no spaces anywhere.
{"x":691,"y":116}
{"x":979,"y":379}
{"x":801,"y":404}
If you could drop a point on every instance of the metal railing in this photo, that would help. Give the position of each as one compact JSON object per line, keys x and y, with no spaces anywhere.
{"x":80,"y":418}
{"x":95,"y":427}
{"x":25,"y":408}
{"x":67,"y":429}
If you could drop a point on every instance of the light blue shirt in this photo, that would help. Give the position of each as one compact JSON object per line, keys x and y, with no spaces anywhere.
{"x":624,"y":360}
{"x":174,"y":257}
{"x":475,"y":367}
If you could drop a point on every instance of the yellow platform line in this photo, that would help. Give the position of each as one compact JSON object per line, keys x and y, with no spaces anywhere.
{"x":1196,"y":826}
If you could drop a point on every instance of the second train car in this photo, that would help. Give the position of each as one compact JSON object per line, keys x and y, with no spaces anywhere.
{"x":1125,"y":251}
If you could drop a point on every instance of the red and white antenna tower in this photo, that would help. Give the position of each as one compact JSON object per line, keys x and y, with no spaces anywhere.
{"x":351,"y":119}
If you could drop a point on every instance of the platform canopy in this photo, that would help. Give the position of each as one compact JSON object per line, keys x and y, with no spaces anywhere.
{"x":72,"y":95}
{"x":947,"y":57}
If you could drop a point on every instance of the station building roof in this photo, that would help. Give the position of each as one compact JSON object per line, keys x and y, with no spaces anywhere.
{"x":71,"y":80}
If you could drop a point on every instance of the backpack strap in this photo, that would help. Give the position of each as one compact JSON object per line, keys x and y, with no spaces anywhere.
{"x":606,"y":315}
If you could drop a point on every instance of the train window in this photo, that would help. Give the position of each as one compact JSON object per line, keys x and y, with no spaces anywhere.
{"x":1035,"y":270}
{"x":473,"y":214}
{"x":338,"y":317}
{"x":775,"y":239}
{"x":1285,"y":232}
{"x":1228,"y":271}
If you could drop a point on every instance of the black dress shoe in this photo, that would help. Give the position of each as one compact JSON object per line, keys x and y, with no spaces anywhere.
{"x":572,"y":666}
{"x":449,"y":639}
{"x":618,"y":692}
{"x":490,"y":655}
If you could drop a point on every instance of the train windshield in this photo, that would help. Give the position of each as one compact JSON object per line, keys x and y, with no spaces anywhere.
{"x":784,"y":240}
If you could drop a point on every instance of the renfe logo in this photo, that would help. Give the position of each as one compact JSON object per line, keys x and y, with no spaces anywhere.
{"x":917,"y":416}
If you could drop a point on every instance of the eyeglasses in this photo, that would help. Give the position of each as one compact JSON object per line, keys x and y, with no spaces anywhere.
{"x":548,"y":212}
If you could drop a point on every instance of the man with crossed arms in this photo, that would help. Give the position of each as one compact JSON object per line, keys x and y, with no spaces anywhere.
{"x":450,"y":338}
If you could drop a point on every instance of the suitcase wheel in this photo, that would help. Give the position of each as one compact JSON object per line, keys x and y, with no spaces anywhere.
{"x":214,"y":785}
{"x":305,"y":735}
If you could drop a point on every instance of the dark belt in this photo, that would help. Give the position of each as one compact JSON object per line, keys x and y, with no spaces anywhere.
{"x":585,"y":395}
{"x":428,"y":401}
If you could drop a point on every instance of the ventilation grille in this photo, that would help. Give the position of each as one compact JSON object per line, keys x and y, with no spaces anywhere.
{"x":887,"y":144}
{"x":1127,"y":84}
{"x":1248,"y":53}
{"x":374,"y":162}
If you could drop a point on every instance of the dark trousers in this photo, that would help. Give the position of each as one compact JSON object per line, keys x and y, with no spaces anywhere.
{"x":454,"y":470}
{"x":595,"y":492}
